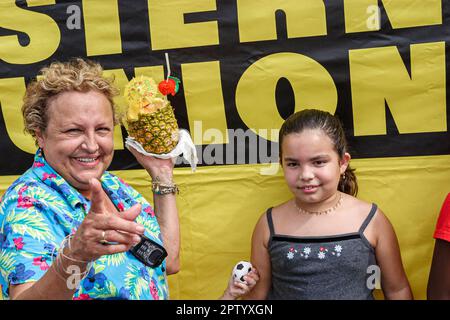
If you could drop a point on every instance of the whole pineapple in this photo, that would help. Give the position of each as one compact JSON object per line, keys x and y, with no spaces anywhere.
{"x":150,"y":117}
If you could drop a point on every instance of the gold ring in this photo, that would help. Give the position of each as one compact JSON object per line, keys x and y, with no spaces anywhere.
{"x":103,"y":241}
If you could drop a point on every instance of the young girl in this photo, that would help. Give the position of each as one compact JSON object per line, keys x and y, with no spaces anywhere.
{"x":324,"y":243}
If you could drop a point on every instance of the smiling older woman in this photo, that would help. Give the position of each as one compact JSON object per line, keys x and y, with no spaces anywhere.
{"x":69,"y":227}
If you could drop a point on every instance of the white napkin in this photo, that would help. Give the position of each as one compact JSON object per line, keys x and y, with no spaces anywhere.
{"x":185,"y":146}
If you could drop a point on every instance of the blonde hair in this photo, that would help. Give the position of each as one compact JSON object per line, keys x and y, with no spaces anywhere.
{"x":74,"y":75}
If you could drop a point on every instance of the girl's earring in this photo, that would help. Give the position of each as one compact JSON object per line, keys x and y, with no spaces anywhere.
{"x":342,"y":181}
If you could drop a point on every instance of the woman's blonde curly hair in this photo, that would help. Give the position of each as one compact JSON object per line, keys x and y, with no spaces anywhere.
{"x":74,"y":75}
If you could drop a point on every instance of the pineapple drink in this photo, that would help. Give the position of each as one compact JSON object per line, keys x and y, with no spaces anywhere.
{"x":150,"y":117}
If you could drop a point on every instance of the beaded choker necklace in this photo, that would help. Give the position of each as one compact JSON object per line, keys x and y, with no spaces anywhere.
{"x":337,"y":204}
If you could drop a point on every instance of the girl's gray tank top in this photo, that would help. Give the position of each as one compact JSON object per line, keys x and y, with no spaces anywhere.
{"x":332,"y":267}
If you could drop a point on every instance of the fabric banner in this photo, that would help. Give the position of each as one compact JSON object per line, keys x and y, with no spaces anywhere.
{"x":245,"y":66}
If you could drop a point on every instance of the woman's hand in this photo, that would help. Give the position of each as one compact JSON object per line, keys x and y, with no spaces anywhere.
{"x":103,"y":223}
{"x":156,"y":167}
{"x":237,"y":289}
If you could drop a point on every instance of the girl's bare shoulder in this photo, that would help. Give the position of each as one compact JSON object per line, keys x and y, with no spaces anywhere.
{"x":378,"y":224}
{"x":282,"y":208}
{"x":357,"y":206}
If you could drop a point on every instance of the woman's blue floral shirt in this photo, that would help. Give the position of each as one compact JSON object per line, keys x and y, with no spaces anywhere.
{"x":40,"y":208}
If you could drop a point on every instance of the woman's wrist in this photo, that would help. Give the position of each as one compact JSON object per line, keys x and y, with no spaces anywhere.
{"x":69,"y":268}
{"x":66,"y":266}
{"x":72,"y":259}
{"x":163,"y":187}
{"x":73,"y":251}
{"x":164,"y":175}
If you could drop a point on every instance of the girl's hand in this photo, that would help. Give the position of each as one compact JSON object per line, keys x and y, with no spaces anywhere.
{"x":237,"y":289}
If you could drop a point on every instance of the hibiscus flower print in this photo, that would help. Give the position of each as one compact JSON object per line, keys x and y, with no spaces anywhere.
{"x":25,"y":202}
{"x":4,"y":242}
{"x":144,"y":273}
{"x":18,"y":242}
{"x":149,"y":211}
{"x":19,"y":275}
{"x":48,"y":176}
{"x":51,"y":250}
{"x":38,"y":164}
{"x":92,"y":279}
{"x":124,"y":294}
{"x":41,"y":262}
{"x":120,"y":206}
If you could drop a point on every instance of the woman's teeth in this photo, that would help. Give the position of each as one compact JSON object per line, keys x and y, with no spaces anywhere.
{"x":86,"y":160}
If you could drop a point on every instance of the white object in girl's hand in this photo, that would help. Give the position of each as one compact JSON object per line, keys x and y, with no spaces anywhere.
{"x":241,"y":269}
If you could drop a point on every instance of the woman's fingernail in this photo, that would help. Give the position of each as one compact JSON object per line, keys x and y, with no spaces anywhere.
{"x":136,"y":239}
{"x":140,"y":229}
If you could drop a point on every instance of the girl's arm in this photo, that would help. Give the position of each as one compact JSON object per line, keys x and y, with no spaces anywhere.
{"x":260,"y":260}
{"x":237,"y":289}
{"x":394,"y":282}
{"x":439,"y":279}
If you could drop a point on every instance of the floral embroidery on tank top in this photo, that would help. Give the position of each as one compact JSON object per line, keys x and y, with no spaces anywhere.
{"x":321,"y":252}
